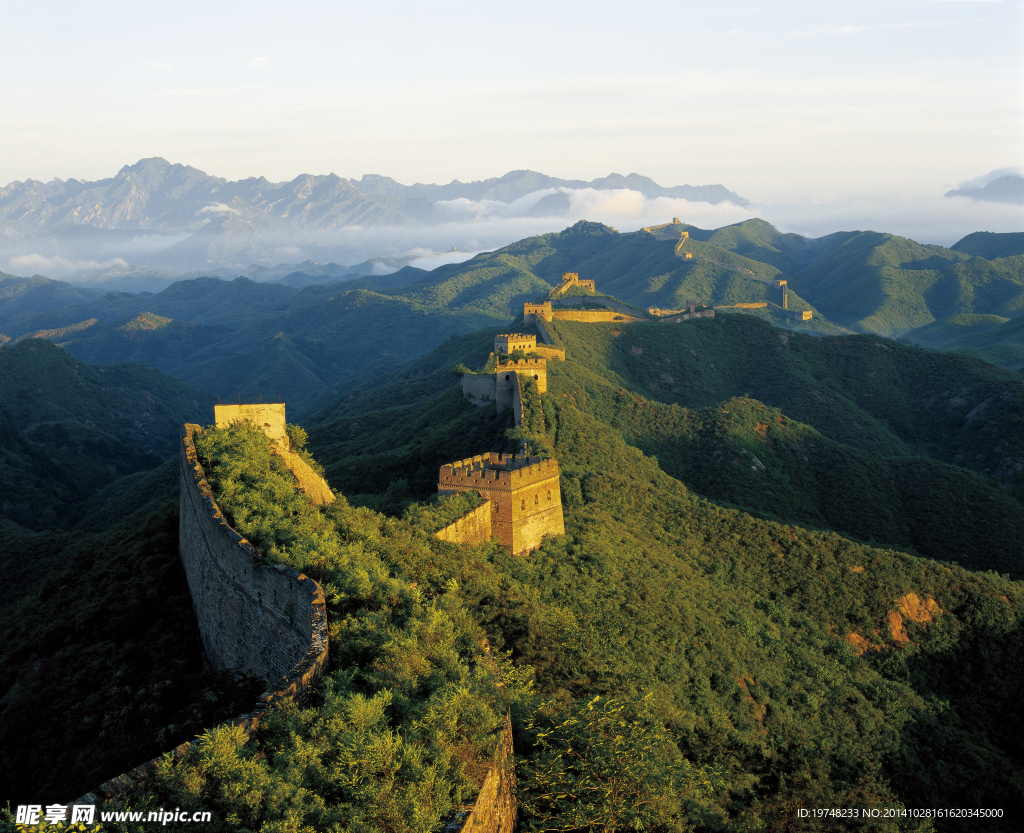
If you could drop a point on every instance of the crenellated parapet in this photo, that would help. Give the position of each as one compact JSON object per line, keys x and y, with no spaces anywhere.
{"x":497,"y":471}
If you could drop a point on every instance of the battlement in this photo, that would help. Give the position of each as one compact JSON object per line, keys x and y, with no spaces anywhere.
{"x":510,"y":342}
{"x":522,"y":365}
{"x":675,"y":222}
{"x":571,"y":279}
{"x":523,"y":491}
{"x":505,"y":472}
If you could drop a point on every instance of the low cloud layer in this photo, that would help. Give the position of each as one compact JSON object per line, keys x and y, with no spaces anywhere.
{"x":472,"y":226}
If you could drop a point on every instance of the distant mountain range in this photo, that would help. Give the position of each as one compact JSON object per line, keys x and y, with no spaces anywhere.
{"x":1007,"y":189}
{"x":155,"y":215}
{"x":154,"y":194}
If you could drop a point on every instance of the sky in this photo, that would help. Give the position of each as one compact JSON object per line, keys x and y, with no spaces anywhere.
{"x":797,"y":106}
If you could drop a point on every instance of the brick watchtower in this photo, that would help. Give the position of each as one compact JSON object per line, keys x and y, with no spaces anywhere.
{"x":526,"y":503}
{"x":508,"y":343}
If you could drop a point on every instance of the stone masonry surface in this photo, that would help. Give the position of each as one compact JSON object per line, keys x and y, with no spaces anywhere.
{"x":472,"y":528}
{"x":269,"y":417}
{"x":265,"y":620}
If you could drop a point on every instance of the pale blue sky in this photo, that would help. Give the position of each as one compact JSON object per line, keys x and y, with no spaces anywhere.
{"x":779,"y":101}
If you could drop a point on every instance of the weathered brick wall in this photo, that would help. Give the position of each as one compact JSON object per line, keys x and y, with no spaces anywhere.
{"x":312,"y":485}
{"x":524,"y":491}
{"x":478,"y":388}
{"x":253,"y":616}
{"x":495,"y":808}
{"x":266,"y":620}
{"x":687,"y":316}
{"x":556,"y":353}
{"x":472,"y":528}
{"x":591,"y":315}
{"x":268,"y":416}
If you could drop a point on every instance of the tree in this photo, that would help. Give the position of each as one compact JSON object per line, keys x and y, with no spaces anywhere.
{"x":606,"y":764}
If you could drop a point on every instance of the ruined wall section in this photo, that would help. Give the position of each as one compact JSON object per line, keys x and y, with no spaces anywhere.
{"x":472,"y":528}
{"x":262,"y":619}
{"x":687,"y":316}
{"x":268,"y":416}
{"x":495,"y":808}
{"x":311,"y":484}
{"x":478,"y":388}
{"x":266,"y":620}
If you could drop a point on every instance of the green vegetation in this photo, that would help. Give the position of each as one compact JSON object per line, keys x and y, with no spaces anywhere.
{"x":991,"y":337}
{"x":772,"y":594}
{"x":402,"y":730}
{"x":71,"y":428}
{"x":101,"y":663}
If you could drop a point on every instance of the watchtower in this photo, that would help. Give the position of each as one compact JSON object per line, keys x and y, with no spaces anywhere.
{"x":508,"y":343}
{"x":269,"y":417}
{"x":504,"y":381}
{"x":531,"y":312}
{"x":524,"y":491}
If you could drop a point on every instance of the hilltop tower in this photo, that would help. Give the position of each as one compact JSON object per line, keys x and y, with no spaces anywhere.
{"x":269,"y":417}
{"x":784,"y":286}
{"x":508,"y":343}
{"x":524,"y":492}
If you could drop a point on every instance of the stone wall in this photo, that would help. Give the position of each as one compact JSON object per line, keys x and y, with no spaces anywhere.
{"x":495,"y":808}
{"x":262,"y":619}
{"x":545,"y":336}
{"x":536,"y":312}
{"x":524,"y":492}
{"x":591,"y":315}
{"x":472,"y":528}
{"x":517,"y":398}
{"x":478,"y":388}
{"x":687,"y":316}
{"x":311,"y":484}
{"x":555,"y":353}
{"x":265,"y":620}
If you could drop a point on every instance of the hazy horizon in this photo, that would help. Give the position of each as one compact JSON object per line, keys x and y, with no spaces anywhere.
{"x":781,"y":102}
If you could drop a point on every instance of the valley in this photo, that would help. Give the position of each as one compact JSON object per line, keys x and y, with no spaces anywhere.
{"x":792,"y":552}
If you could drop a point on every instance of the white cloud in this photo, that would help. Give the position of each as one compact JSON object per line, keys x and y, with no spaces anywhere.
{"x":435,"y":259}
{"x":217,"y":208}
{"x":35,"y":263}
{"x":931,"y":220}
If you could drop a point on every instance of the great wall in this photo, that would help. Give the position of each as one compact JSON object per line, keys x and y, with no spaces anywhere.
{"x":262,"y":619}
{"x":269,"y":621}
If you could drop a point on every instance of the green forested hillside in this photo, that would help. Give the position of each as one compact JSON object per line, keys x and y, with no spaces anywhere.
{"x":864,"y":391}
{"x":991,"y":245}
{"x":990,"y":337}
{"x":70,"y":428}
{"x":101,"y":665}
{"x":744,"y":631}
{"x":232,"y":338}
